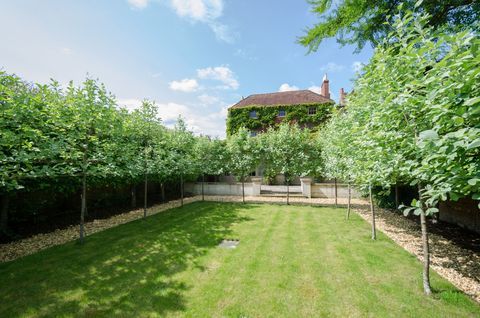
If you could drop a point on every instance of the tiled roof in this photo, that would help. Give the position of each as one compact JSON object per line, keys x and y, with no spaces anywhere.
{"x":282,"y":98}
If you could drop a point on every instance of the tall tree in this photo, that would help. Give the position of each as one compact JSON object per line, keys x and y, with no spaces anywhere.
{"x":364,"y":21}
{"x":244,"y":155}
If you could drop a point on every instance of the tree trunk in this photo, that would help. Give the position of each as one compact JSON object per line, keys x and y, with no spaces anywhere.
{"x":84,"y":205}
{"x":348,"y":201}
{"x":336,"y":195}
{"x":133,"y":191}
{"x":181,"y":190}
{"x":288,"y":191}
{"x":372,"y":209}
{"x":145,"y":195}
{"x":162,"y":191}
{"x":397,"y":197}
{"x":243,"y":189}
{"x":203,"y":182}
{"x":4,"y":214}
{"x":426,"y":248}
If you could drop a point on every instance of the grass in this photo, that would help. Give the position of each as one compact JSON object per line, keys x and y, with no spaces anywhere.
{"x":291,"y":262}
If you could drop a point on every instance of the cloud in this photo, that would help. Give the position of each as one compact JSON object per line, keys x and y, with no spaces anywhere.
{"x":357,"y":66}
{"x":205,"y":11}
{"x":285,"y":87}
{"x":219,"y":73}
{"x":138,"y":4}
{"x":199,"y":10}
{"x":129,"y":103}
{"x":186,"y":85}
{"x":332,"y":67}
{"x":316,"y":89}
{"x":208,"y":100}
{"x":222,"y":32}
{"x":245,"y":54}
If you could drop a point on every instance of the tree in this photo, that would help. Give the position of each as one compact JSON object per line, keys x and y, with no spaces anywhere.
{"x":147,"y":123}
{"x":244,"y":155}
{"x":181,"y":160}
{"x":211,"y":157}
{"x":363,"y":21}
{"x":414,"y":117}
{"x":89,"y":123}
{"x":286,"y":151}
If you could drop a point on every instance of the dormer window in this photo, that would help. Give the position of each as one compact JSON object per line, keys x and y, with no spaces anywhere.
{"x":253,"y":114}
{"x":281,"y":113}
{"x":312,"y":110}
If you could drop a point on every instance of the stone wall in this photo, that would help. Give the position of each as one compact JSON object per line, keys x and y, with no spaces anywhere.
{"x":327,"y":190}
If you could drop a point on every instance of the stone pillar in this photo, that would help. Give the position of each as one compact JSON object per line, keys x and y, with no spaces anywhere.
{"x":256,"y":185}
{"x":306,"y":187}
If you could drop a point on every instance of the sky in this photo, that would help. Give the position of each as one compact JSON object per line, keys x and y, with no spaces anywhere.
{"x":195,"y":58}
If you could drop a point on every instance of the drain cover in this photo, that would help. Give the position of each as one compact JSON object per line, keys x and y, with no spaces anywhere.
{"x":229,"y":243}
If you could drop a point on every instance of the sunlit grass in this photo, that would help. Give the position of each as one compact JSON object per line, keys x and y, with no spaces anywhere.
{"x":291,"y":262}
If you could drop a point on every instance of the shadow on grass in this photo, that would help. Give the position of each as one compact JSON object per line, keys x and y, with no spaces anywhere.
{"x":125,"y":271}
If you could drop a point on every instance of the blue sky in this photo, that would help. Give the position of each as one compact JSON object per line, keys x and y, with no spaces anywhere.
{"x":193,"y":57}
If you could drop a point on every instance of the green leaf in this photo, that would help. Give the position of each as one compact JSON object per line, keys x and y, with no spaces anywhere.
{"x":430,"y":211}
{"x":473,"y":181}
{"x":428,"y":135}
{"x":474,"y":144}
{"x":472,"y":101}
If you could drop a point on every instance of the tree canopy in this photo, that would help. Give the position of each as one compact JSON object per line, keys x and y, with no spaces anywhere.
{"x":360,"y":22}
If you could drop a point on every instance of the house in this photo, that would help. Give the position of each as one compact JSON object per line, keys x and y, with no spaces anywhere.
{"x":258,"y":112}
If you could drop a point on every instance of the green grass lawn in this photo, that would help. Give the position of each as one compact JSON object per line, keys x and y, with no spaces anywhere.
{"x":291,"y":262}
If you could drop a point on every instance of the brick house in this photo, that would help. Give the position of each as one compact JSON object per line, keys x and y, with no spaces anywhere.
{"x":258,"y":112}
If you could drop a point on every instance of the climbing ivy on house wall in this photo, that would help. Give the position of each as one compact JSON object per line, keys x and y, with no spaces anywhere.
{"x":267,"y":116}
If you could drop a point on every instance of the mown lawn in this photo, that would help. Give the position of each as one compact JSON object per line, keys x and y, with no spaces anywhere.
{"x":291,"y":262}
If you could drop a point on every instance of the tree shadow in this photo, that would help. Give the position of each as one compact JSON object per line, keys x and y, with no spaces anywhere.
{"x":129,"y":270}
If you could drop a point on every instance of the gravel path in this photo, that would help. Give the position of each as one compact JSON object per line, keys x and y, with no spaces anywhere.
{"x":460,"y":265}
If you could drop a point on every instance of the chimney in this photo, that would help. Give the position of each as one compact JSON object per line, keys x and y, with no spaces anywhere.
{"x":325,"y":87}
{"x":341,"y":100}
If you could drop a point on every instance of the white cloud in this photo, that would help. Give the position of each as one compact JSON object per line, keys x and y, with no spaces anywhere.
{"x":129,"y":103}
{"x":205,"y":11}
{"x":357,"y":66}
{"x":285,"y":87}
{"x":200,"y":10}
{"x":245,"y":54}
{"x":138,"y":4}
{"x":208,"y":100}
{"x":332,"y":67}
{"x":222,"y":32}
{"x":316,"y":89}
{"x":219,"y":73}
{"x":212,"y":124}
{"x":185,"y":85}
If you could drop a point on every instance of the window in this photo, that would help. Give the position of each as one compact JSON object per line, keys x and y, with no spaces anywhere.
{"x":281,"y":113}
{"x":253,"y":133}
{"x":312,"y":110}
{"x":253,"y":114}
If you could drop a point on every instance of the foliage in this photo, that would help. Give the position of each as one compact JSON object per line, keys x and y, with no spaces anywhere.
{"x":414,"y":115}
{"x":288,"y":150}
{"x":244,"y":153}
{"x":268,"y":116}
{"x":362,"y":21}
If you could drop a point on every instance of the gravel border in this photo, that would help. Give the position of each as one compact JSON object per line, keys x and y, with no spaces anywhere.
{"x":458,"y":265}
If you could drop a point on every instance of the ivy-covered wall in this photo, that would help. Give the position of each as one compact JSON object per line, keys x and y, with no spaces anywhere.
{"x":267,"y":116}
